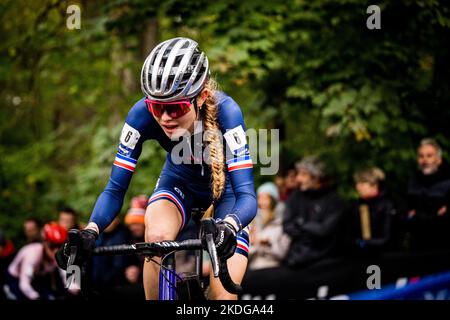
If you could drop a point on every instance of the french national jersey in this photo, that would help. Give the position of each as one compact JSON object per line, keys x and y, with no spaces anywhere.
{"x":185,"y":163}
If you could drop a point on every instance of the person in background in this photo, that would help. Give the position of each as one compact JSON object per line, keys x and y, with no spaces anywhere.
{"x":372,"y":214}
{"x":34,"y":274}
{"x":134,"y":219}
{"x":287,"y":183}
{"x":6,"y":256}
{"x":281,"y":187}
{"x":269,"y":244}
{"x":109,"y":271}
{"x":68,"y":218}
{"x":32,"y":229}
{"x":135,"y":222}
{"x":428,"y":195}
{"x":313,"y":215}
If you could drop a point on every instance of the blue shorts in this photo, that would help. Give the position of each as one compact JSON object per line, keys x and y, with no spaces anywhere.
{"x":189,"y":196}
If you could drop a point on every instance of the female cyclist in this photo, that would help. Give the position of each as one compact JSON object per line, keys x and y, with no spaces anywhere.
{"x":208,"y":165}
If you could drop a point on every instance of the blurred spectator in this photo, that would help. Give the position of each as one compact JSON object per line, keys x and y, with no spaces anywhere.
{"x":32,"y":229}
{"x":109,"y":271}
{"x":286,"y":183}
{"x":370,"y":217}
{"x":33,"y":274}
{"x":6,"y":256}
{"x":312,"y":216}
{"x":269,"y":244}
{"x":68,"y":218}
{"x":428,"y":199}
{"x":135,"y":222}
{"x":281,"y":187}
{"x":135,"y":218}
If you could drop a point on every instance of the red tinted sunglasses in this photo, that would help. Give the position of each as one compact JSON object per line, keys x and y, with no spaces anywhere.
{"x":175,"y":109}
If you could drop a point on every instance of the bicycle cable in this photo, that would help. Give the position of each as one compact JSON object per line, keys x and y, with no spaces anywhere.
{"x":167,"y":269}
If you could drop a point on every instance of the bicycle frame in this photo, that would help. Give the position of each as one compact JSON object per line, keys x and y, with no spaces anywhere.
{"x":167,"y":273}
{"x":167,"y":278}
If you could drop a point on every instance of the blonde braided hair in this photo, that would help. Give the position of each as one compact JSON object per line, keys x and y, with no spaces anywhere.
{"x":213,"y":141}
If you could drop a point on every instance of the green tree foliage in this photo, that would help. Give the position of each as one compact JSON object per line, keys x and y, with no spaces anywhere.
{"x":309,"y":68}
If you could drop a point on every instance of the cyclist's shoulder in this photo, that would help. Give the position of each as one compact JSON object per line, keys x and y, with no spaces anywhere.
{"x":139,"y":109}
{"x":228,"y":110}
{"x":139,"y":117}
{"x":224,"y":101}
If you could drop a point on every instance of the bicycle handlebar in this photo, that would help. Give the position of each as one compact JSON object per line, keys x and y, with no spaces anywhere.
{"x":149,"y":248}
{"x":220,"y":268}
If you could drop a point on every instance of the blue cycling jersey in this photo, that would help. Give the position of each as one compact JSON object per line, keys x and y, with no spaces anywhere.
{"x":185,"y":169}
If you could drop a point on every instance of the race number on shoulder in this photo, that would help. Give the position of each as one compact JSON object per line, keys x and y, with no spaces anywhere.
{"x":129,"y":137}
{"x":236,"y":139}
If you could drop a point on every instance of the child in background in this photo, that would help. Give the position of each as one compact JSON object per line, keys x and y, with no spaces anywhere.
{"x":371,"y":215}
{"x":134,"y":218}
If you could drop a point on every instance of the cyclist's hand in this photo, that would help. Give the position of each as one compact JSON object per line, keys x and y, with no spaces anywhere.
{"x":224,"y":238}
{"x":84,"y":240}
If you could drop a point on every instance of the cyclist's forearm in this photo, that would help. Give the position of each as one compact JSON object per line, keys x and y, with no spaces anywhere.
{"x":245,"y":207}
{"x":107,"y":207}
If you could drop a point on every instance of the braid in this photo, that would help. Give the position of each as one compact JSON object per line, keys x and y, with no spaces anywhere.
{"x":214,"y":143}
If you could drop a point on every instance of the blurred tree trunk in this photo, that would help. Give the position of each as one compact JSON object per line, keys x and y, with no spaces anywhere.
{"x":149,"y":37}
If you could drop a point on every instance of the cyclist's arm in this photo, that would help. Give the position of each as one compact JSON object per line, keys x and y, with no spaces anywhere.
{"x":135,"y":131}
{"x":239,"y":164}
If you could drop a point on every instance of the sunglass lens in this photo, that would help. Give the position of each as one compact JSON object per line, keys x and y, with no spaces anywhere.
{"x":157,"y":109}
{"x":174,"y":110}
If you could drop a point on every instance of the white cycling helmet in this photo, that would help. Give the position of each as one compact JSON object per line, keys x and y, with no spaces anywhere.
{"x":175,"y":69}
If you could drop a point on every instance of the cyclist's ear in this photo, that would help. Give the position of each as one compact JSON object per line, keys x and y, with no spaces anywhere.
{"x":203,"y":95}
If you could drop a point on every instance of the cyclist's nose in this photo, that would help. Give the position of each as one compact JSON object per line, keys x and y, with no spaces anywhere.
{"x":165,"y":116}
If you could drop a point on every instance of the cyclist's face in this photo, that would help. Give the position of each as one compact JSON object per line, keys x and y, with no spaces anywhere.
{"x":184,"y":125}
{"x":428,"y":159}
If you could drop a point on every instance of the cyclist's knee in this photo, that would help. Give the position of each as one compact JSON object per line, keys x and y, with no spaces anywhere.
{"x":154,"y":235}
{"x":162,"y":221}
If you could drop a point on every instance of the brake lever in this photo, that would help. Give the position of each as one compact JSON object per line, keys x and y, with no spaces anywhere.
{"x":71,"y":278}
{"x":213,"y":254}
